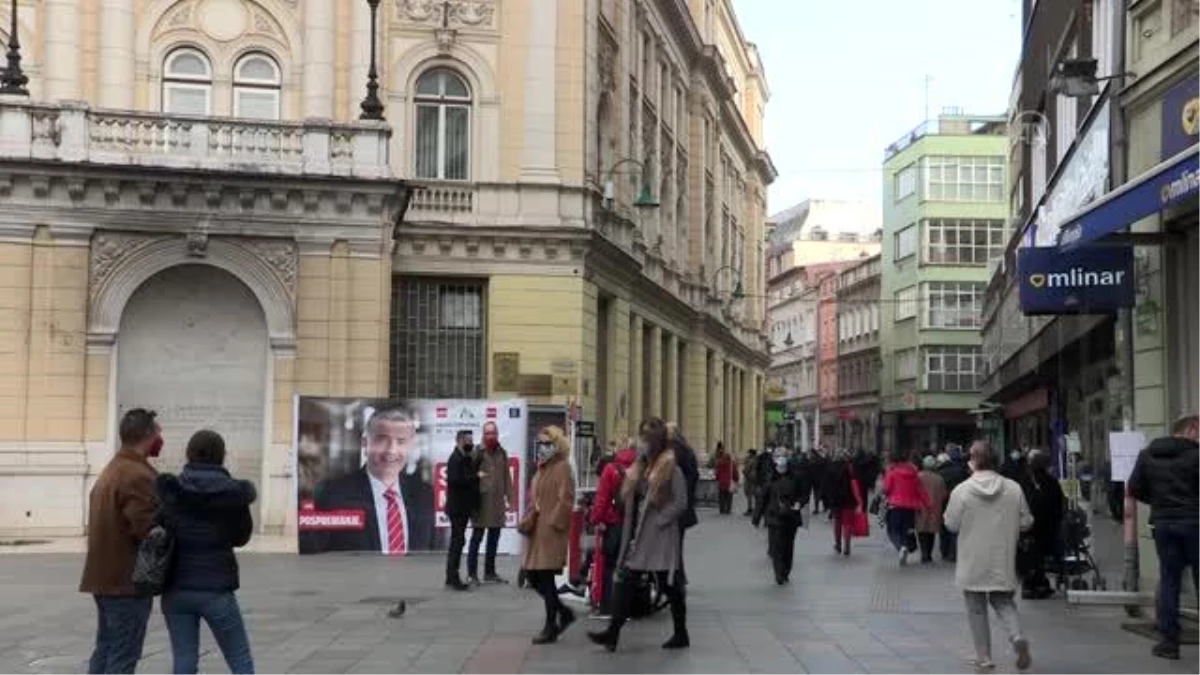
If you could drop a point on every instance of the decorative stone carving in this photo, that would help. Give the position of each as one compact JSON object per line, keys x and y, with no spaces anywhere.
{"x":197,"y":243}
{"x":280,"y":254}
{"x":108,"y":248}
{"x":180,"y":17}
{"x":448,"y":13}
{"x":607,"y":62}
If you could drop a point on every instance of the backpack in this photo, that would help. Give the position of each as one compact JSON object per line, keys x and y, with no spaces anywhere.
{"x":155,"y":560}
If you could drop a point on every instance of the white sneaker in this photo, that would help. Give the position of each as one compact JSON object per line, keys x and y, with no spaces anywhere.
{"x":983,"y":665}
{"x":903,"y":556}
{"x":1024,"y":658}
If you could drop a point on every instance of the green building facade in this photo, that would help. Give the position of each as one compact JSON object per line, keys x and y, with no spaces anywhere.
{"x":945,"y":216}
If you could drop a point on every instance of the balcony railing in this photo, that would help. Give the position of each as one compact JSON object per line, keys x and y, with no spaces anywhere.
{"x":73,"y":132}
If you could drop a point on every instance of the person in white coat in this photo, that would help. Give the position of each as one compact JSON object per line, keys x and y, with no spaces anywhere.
{"x":988,"y":511}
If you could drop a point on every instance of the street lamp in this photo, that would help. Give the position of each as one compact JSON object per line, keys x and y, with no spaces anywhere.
{"x":14,"y":79}
{"x":645,"y":199}
{"x":372,"y":107}
{"x":738,"y":291}
{"x":1077,"y":78}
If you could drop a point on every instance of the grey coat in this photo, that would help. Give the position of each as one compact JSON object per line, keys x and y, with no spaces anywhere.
{"x":658,"y":544}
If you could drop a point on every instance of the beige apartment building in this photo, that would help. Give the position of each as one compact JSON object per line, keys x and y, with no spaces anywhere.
{"x":196,"y":220}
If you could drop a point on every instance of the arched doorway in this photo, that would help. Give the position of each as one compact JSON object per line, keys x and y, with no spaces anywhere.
{"x":193,"y":344}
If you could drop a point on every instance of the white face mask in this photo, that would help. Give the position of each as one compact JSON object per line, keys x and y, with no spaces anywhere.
{"x":781,"y":464}
{"x":1014,"y":456}
{"x":545,"y":450}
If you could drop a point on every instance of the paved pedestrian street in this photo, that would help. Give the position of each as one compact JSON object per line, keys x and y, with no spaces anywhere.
{"x":329,"y":614}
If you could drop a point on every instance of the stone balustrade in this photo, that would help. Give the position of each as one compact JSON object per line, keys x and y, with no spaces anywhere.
{"x":74,"y":132}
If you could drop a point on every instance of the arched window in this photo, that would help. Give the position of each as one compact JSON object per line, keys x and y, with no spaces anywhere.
{"x":443,"y":138}
{"x":256,"y":84}
{"x":187,"y":83}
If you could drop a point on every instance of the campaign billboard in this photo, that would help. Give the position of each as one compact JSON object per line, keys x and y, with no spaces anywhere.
{"x":370,"y":473}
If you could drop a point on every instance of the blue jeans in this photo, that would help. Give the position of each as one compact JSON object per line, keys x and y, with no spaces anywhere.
{"x":901,"y":524}
{"x":219,"y":609}
{"x":120,"y":633}
{"x":1177,"y":545}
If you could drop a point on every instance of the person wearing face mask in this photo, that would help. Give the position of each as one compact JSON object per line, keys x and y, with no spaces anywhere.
{"x":496,"y":497}
{"x":781,"y":503}
{"x":462,"y":499}
{"x":547,"y":524}
{"x":122,"y":508}
{"x":655,"y":497}
{"x":1014,"y":465}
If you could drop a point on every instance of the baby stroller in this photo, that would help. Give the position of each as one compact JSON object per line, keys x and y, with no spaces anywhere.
{"x":1076,"y":561}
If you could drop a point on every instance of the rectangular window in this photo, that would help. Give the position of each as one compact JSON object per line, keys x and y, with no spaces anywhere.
{"x":906,"y":364}
{"x":438,"y":338}
{"x":952,"y":305}
{"x":906,"y":182}
{"x":953,"y":368}
{"x":906,"y":242}
{"x":952,"y":241}
{"x":256,"y":104}
{"x":964,"y":179}
{"x":187,"y":99}
{"x":906,"y":303}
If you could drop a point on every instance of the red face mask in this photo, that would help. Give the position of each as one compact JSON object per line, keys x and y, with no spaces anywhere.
{"x":156,"y":447}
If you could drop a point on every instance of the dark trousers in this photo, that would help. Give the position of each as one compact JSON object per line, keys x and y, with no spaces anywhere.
{"x":493,"y":542}
{"x":120,"y":633}
{"x":900,"y":526}
{"x":183,"y":611}
{"x":749,"y":502}
{"x":724,"y":501}
{"x":458,"y":539}
{"x":1177,"y":545}
{"x":948,"y":542}
{"x":671,"y":588}
{"x":543,"y":582}
{"x":781,"y":546}
{"x":926,"y":539}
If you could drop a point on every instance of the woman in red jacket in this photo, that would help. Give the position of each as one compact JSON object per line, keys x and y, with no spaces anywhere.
{"x":727,"y":475}
{"x":906,"y":496}
{"x":606,"y":517}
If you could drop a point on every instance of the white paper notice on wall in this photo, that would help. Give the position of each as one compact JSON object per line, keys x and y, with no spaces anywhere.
{"x":1123,"y":447}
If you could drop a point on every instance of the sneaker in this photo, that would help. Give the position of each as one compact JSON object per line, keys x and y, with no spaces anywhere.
{"x":1024,"y":658}
{"x":494,"y":579}
{"x":903,"y":556}
{"x":473,"y":581}
{"x":1166,"y":650}
{"x":983,"y":665}
{"x":600,"y":616}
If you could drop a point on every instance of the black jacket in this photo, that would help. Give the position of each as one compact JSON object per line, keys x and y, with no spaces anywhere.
{"x":866,"y":467}
{"x":1165,"y":476}
{"x":685,"y":459}
{"x":1047,"y":503}
{"x":954,"y":473}
{"x":775,"y":501}
{"x":836,"y":490}
{"x":462,"y":485}
{"x":209,"y":515}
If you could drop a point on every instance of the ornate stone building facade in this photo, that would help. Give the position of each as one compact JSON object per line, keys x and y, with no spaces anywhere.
{"x":197,"y":221}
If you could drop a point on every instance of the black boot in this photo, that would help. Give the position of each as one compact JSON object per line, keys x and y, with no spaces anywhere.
{"x":679,"y":640}
{"x":548,"y":635}
{"x":565,"y":618}
{"x":609,"y":637}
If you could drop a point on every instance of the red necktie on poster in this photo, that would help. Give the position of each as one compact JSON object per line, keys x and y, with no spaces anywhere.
{"x":395,"y":523}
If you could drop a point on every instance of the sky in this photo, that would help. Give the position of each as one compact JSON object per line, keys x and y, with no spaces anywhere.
{"x":848,"y":78}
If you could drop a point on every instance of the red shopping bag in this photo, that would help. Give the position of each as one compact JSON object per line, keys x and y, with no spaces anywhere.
{"x":860,"y":526}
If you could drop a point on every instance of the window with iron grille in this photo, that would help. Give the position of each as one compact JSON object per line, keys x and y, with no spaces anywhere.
{"x":438,"y":344}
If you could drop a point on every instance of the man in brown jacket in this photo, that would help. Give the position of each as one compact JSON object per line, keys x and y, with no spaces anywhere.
{"x":121,"y":512}
{"x":495,"y":497}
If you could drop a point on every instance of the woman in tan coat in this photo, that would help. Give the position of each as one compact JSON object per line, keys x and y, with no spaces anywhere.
{"x":929,"y":520}
{"x":547,"y":524}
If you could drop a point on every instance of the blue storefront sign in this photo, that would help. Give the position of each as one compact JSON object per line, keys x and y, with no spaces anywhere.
{"x":1094,"y":280}
{"x":1175,"y":181}
{"x":1180,"y":117}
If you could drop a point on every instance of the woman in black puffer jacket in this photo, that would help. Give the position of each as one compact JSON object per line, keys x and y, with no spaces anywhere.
{"x":208,"y":512}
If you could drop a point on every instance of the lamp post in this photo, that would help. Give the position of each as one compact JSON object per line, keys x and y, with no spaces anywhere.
{"x":738,"y":291}
{"x":372,"y":107}
{"x":645,"y":198}
{"x":14,"y":79}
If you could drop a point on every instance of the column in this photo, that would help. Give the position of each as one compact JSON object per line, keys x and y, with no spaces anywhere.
{"x":116,"y":54}
{"x":319,"y":17}
{"x":62,"y":66}
{"x":671,"y":386}
{"x":618,"y":368}
{"x":360,"y":56}
{"x":538,"y":165}
{"x":695,"y":422}
{"x":636,"y":359}
{"x":655,"y":356}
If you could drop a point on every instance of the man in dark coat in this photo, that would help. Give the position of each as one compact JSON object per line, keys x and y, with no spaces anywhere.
{"x":781,"y":505}
{"x":377,"y":491}
{"x":1167,"y":477}
{"x":462,"y":498}
{"x":952,"y":467}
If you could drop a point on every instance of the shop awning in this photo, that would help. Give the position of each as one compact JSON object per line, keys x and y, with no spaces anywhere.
{"x":1175,"y":181}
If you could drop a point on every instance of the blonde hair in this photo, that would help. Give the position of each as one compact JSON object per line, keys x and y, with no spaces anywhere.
{"x":558,"y":437}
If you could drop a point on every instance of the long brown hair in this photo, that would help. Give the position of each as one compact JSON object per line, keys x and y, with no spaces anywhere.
{"x":653,"y":432}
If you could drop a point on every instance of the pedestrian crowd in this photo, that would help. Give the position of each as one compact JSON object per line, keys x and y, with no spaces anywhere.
{"x":175,"y":535}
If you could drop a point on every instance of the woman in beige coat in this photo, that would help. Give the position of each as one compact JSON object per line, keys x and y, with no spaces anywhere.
{"x":547,"y":524}
{"x":929,"y":520}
